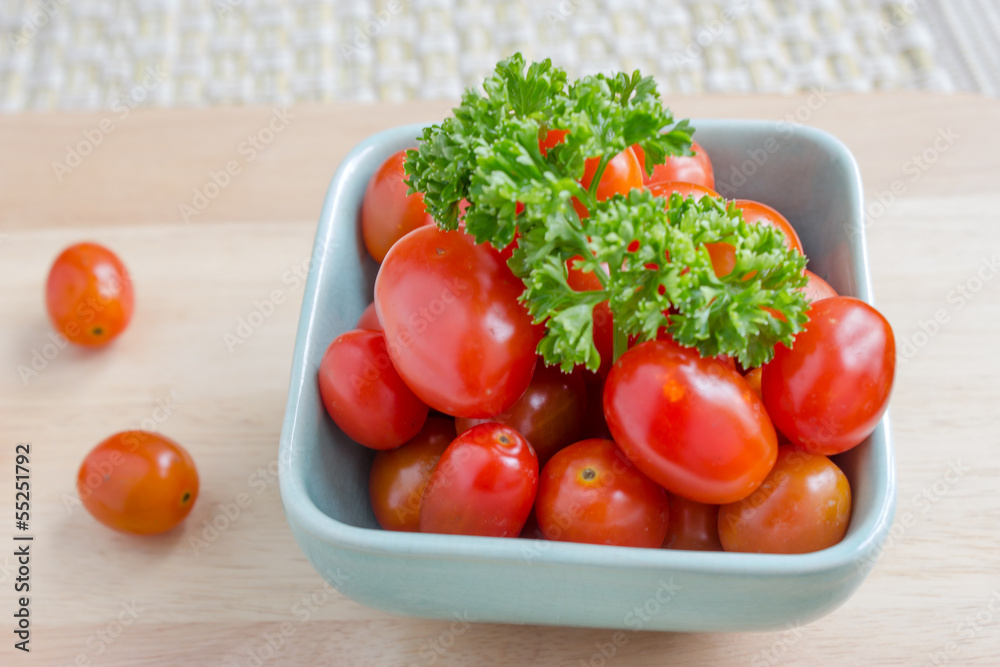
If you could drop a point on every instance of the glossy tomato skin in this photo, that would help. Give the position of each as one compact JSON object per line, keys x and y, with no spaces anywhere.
{"x":752,"y":378}
{"x":829,"y":391}
{"x":484,"y":484}
{"x":89,"y":294}
{"x":364,"y":394}
{"x":695,"y":168}
{"x":804,"y":505}
{"x":690,"y":424}
{"x":590,"y":492}
{"x":756,"y":212}
{"x":369,"y":319}
{"x":816,"y":288}
{"x":604,"y":325}
{"x":549,"y":414}
{"x":138,"y":482}
{"x":693,"y":526}
{"x":453,"y":325}
{"x":398,"y":476}
{"x":666,"y":188}
{"x":387,"y":212}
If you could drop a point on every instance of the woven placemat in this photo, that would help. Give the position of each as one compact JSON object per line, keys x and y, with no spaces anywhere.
{"x":87,"y":54}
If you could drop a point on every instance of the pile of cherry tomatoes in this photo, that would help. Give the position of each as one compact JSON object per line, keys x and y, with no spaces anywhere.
{"x":476,"y":436}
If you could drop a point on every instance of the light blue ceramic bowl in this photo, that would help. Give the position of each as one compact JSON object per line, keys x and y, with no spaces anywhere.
{"x":806,"y":174}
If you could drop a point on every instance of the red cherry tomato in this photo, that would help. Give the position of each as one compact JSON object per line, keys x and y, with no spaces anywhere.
{"x":369,"y":319}
{"x":484,"y":484}
{"x":453,"y":325}
{"x":364,"y":394}
{"x":621,"y":175}
{"x":693,"y":526}
{"x":549,"y":414}
{"x":829,"y":391}
{"x":89,"y":294}
{"x":589,"y":492}
{"x":752,"y":377}
{"x":398,"y":476}
{"x":691,"y":424}
{"x":756,"y":212}
{"x":817,"y":288}
{"x":387,"y":212}
{"x":138,"y":482}
{"x":695,"y":168}
{"x":604,"y":326}
{"x":803,"y":505}
{"x":665,"y":189}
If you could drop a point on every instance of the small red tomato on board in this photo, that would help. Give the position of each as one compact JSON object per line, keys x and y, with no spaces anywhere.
{"x":817,"y":288}
{"x":484,"y":484}
{"x":549,"y":414}
{"x":138,"y":482}
{"x":453,"y":325}
{"x":89,"y":294}
{"x":398,"y":476}
{"x":387,"y":212}
{"x":364,"y":394}
{"x":829,"y":391}
{"x":695,"y":168}
{"x":756,"y":212}
{"x":803,"y":505}
{"x":693,"y":526}
{"x":691,"y":424}
{"x":590,"y":492}
{"x":369,"y":319}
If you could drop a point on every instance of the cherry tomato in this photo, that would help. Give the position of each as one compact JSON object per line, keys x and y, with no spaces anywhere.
{"x":830,"y":390}
{"x":549,"y":414}
{"x":369,"y":319}
{"x":752,"y":377}
{"x":138,"y":482}
{"x":693,"y":526}
{"x":89,"y":294}
{"x":594,"y":424}
{"x":665,"y":189}
{"x":803,"y":505}
{"x":756,"y":212}
{"x":398,"y":476}
{"x":484,"y":484}
{"x":453,"y":325}
{"x":691,"y":424}
{"x":817,"y":288}
{"x":387,"y":212}
{"x":695,"y":168}
{"x":604,"y":326}
{"x":621,"y":174}
{"x":589,"y":492}
{"x":364,"y":394}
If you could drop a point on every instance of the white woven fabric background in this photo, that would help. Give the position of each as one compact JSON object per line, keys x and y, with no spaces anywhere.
{"x":87,"y":54}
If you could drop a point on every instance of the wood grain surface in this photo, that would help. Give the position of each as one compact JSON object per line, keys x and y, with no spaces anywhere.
{"x":931,"y":166}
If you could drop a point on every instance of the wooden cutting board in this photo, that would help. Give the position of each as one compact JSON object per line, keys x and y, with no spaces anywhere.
{"x":206,"y":251}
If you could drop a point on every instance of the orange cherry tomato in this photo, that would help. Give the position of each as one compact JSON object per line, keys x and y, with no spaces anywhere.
{"x":387,"y":212}
{"x":89,"y":294}
{"x":754,"y":211}
{"x":695,"y":168}
{"x":803,"y":505}
{"x":817,"y":288}
{"x":398,"y":476}
{"x":138,"y":482}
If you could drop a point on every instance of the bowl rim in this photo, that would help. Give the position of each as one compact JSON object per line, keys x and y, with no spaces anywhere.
{"x":305,"y":514}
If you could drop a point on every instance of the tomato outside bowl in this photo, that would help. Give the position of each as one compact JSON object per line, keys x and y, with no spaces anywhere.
{"x":806,"y":174}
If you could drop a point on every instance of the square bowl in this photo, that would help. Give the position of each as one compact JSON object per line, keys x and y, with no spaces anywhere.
{"x":807,"y":175}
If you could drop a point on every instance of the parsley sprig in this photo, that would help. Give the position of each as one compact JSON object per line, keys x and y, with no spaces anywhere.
{"x":648,"y":252}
